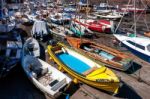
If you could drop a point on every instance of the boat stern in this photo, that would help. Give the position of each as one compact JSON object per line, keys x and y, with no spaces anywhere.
{"x":126,"y":64}
{"x":112,"y":27}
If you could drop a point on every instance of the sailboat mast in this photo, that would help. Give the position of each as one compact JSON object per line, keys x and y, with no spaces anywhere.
{"x":87,"y":6}
{"x":134,"y":17}
{"x":107,"y":4}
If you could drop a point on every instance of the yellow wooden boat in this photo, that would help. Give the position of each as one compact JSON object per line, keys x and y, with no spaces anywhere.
{"x":84,"y":69}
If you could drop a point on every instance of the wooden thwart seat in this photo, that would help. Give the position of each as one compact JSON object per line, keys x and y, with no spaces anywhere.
{"x":90,"y":70}
{"x":58,"y":51}
{"x":59,"y":85}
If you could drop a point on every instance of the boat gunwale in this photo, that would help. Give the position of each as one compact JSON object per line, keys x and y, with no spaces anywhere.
{"x":40,"y":86}
{"x":113,"y":51}
{"x":104,"y":48}
{"x":82,"y":78}
{"x":66,"y":65}
{"x":51,"y":51}
{"x":83,"y":54}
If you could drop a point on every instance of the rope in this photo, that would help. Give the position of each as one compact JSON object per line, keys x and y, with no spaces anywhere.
{"x":145,"y":16}
{"x":121,"y":18}
{"x":137,"y":19}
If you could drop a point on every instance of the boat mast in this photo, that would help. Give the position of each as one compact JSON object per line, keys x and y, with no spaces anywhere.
{"x":107,"y":5}
{"x":122,"y":18}
{"x":87,"y":3}
{"x":134,"y":18}
{"x":63,"y":18}
{"x":80,"y":6}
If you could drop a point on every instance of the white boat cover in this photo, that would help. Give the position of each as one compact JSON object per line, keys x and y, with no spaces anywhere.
{"x":39,"y":28}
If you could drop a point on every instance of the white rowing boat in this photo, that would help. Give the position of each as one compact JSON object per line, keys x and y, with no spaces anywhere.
{"x":45,"y":77}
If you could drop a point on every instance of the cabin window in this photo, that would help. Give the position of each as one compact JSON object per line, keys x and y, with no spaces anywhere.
{"x":148,"y":47}
{"x":102,"y":8}
{"x":137,"y":45}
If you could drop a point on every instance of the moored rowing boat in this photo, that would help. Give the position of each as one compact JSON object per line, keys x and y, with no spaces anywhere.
{"x":84,"y":69}
{"x":46,"y":78}
{"x":109,"y":56}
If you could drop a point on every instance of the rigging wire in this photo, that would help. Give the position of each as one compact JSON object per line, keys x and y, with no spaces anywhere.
{"x":140,"y":16}
{"x":121,"y":18}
